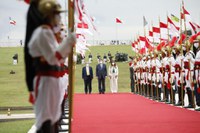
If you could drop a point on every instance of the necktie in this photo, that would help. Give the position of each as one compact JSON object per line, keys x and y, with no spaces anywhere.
{"x":87,"y":71}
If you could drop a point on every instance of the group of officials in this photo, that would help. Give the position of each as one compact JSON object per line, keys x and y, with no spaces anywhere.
{"x":101,"y":74}
{"x":169,"y":70}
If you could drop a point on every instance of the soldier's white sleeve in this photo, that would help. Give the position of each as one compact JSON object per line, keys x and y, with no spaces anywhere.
{"x":43,"y":43}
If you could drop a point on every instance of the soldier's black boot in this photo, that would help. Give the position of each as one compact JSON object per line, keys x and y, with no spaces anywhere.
{"x":189,"y":93}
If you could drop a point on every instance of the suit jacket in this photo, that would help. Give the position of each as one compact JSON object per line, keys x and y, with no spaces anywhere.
{"x":101,"y":72}
{"x":84,"y":73}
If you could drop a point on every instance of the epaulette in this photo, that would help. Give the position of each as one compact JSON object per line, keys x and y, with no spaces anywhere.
{"x":45,"y":26}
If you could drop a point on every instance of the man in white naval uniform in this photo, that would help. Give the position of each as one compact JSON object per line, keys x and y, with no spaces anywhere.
{"x":47,"y":58}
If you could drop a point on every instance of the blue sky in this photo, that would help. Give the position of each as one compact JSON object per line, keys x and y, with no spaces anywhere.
{"x":105,"y":12}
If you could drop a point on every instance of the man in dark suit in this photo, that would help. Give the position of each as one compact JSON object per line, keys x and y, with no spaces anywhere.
{"x":101,"y":73}
{"x":87,"y":75}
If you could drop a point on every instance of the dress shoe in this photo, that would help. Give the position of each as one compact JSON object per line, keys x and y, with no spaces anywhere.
{"x":178,"y":104}
{"x":189,"y":106}
{"x":168,"y":102}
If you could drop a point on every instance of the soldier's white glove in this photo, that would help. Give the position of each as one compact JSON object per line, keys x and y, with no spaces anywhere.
{"x":65,"y":48}
{"x":71,"y":38}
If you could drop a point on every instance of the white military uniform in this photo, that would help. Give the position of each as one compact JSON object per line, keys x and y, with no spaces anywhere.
{"x":156,"y":64}
{"x":149,"y":68}
{"x":113,"y":73}
{"x":48,"y":88}
{"x":189,"y":67}
{"x":179,"y":64}
{"x":169,"y":63}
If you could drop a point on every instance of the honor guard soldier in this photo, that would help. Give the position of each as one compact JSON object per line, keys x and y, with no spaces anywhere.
{"x":145,"y":75}
{"x":149,"y":74}
{"x":48,"y":57}
{"x":189,"y":70}
{"x":142,"y":74}
{"x":135,"y":74}
{"x":197,"y":72}
{"x":169,"y":66}
{"x":156,"y":76}
{"x":165,"y":76}
{"x":179,"y":74}
{"x":162,"y":71}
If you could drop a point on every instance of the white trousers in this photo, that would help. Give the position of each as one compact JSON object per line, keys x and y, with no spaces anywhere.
{"x":113,"y":84}
{"x":49,"y":98}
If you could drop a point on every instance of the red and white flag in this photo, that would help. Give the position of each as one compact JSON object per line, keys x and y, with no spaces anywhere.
{"x":83,"y":16}
{"x":174,"y":30}
{"x":156,"y":34}
{"x":163,"y":31}
{"x":150,"y":36}
{"x":118,"y":20}
{"x":13,"y":22}
{"x":83,"y":28}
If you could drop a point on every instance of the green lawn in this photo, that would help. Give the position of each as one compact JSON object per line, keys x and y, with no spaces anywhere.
{"x":13,"y":91}
{"x":21,"y":126}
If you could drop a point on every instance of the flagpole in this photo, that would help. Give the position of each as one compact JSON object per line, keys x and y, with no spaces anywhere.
{"x":71,"y":62}
{"x":144,"y":26}
{"x":181,"y":60}
{"x":167,"y":29}
{"x":116,"y":33}
{"x":9,"y":34}
{"x":180,"y":25}
{"x":184,"y":19}
{"x":170,"y":66}
{"x":159,"y":28}
{"x":143,"y":89}
{"x":151,"y":67}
